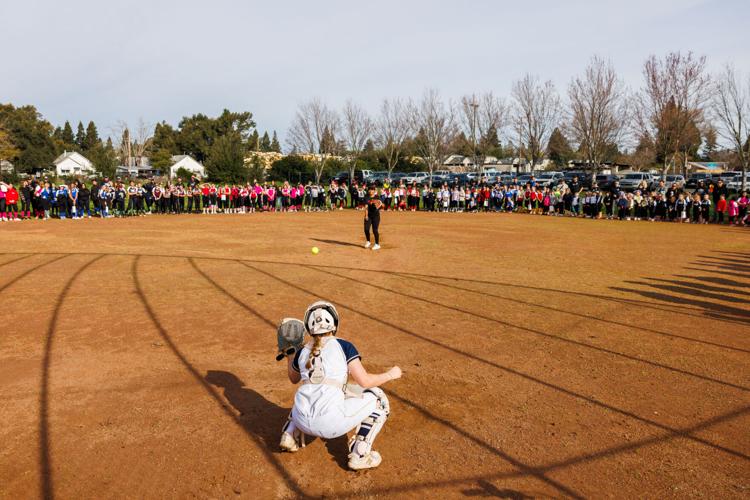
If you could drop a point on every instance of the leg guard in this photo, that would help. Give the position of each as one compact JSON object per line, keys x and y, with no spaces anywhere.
{"x":368,"y":429}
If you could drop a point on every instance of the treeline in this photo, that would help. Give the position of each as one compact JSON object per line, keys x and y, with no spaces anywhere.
{"x":221,"y":143}
{"x":29,"y":141}
{"x":679,"y":114}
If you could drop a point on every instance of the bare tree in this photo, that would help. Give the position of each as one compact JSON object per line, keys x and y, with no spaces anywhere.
{"x":133,"y":147}
{"x":482,"y":116}
{"x":536,"y":113}
{"x":598,"y":114}
{"x":433,"y":123}
{"x":358,"y":129}
{"x":671,"y":103}
{"x":314,"y":130}
{"x":391,"y":130}
{"x":731,"y":105}
{"x":142,"y":141}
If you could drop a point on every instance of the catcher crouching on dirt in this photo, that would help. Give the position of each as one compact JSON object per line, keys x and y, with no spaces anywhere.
{"x":325,"y":405}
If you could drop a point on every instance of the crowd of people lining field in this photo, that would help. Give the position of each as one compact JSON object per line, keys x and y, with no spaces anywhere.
{"x":118,"y":198}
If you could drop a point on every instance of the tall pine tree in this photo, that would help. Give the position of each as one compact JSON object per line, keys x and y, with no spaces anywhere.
{"x":265,"y":142}
{"x":558,"y":148}
{"x":275,"y":146}
{"x":254,"y":141}
{"x":80,"y":136}
{"x":92,"y":137}
{"x":68,"y":138}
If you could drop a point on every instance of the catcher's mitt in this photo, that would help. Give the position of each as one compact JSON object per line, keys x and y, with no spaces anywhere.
{"x":290,"y":336}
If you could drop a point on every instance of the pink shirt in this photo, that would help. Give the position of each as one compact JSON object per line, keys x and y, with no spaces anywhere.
{"x":734,"y":208}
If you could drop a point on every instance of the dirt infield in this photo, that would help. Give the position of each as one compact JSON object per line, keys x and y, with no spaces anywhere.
{"x":543,"y":357}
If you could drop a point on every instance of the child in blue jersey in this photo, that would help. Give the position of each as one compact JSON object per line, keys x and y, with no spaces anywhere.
{"x":323,"y":406}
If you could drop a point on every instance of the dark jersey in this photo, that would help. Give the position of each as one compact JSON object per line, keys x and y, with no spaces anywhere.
{"x":372,"y":209}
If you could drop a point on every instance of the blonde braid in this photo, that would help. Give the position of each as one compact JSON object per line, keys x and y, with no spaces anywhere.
{"x":315,"y":350}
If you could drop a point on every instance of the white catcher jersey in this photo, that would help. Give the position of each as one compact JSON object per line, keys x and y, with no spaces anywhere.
{"x":314,"y":399}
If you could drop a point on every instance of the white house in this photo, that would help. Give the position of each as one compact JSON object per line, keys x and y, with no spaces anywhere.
{"x":188,"y":163}
{"x":72,"y":163}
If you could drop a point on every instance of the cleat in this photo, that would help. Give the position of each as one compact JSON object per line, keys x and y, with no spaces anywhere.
{"x":368,"y":461}
{"x":367,"y":245}
{"x":288,"y":443}
{"x":376,"y":247}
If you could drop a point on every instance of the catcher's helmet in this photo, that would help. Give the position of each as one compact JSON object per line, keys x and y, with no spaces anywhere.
{"x":321,"y":317}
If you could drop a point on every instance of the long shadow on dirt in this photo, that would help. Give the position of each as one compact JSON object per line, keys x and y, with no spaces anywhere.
{"x":701,"y":291}
{"x":336,"y":242}
{"x":45,"y":455}
{"x":258,"y":415}
{"x":210,"y":389}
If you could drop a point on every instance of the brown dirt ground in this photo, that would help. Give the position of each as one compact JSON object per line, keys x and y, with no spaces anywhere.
{"x":543,"y":357}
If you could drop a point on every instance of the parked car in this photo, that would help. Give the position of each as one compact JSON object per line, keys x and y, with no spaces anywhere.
{"x":459,"y":179}
{"x":606,"y":181}
{"x":473,"y":176}
{"x":693,"y":179}
{"x":416,"y":177}
{"x":631,"y":181}
{"x":396,"y":177}
{"x":584,"y":179}
{"x":359,"y":176}
{"x":439,"y":179}
{"x":524,"y":179}
{"x":674,"y":179}
{"x":736,"y":183}
{"x":549,"y":178}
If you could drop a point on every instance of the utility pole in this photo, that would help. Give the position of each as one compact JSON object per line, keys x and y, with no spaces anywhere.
{"x":474,"y":106}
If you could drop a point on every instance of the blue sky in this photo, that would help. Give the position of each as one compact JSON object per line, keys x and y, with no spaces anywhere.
{"x":107,"y":61}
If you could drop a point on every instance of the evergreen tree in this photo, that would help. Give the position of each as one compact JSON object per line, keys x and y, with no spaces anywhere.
{"x":92,"y":137}
{"x":163,"y":146}
{"x":104,"y":158}
{"x":265,"y":142}
{"x":327,"y":142}
{"x":226,"y":157}
{"x":558,"y":148}
{"x":275,"y":146}
{"x":489,"y":143}
{"x":80,"y":136}
{"x":253,"y":142}
{"x":67,"y":135}
{"x":710,"y":144}
{"x":461,"y":145}
{"x":30,"y":134}
{"x":292,"y":167}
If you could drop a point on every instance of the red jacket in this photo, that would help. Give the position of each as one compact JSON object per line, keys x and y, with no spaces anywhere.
{"x":11,"y":197}
{"x":721,"y":205}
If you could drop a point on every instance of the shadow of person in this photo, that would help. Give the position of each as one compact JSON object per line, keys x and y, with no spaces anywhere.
{"x":487,"y":489}
{"x":258,"y":416}
{"x":336,"y":242}
{"x":338,"y":448}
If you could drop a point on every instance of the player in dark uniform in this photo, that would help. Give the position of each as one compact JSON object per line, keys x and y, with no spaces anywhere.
{"x":372,"y":218}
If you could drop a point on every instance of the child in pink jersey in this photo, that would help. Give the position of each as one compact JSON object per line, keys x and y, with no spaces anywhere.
{"x":733,"y":210}
{"x":271,"y":193}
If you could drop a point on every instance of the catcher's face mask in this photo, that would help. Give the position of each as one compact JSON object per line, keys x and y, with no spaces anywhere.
{"x":320,"y":318}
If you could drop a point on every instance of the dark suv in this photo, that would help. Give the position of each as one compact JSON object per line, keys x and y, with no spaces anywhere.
{"x":605,"y":182}
{"x":584,"y":179}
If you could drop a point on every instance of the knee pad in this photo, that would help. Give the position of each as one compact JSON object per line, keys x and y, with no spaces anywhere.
{"x":383,"y":403}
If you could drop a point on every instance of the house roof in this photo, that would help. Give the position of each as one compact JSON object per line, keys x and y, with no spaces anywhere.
{"x":73,"y":155}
